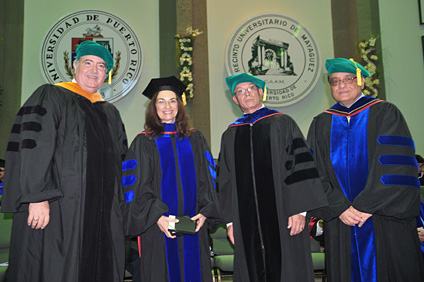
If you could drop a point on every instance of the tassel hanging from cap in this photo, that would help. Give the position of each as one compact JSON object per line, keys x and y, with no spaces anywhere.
{"x":183,"y":97}
{"x":358,"y":73}
{"x":264,"y":96}
{"x":109,"y":81}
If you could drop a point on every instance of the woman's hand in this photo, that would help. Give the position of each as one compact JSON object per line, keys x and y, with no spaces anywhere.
{"x":163,"y":224}
{"x":200,"y":220}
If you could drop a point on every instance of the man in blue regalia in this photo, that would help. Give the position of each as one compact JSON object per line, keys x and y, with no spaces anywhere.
{"x":365,"y":156}
{"x":266,"y":182}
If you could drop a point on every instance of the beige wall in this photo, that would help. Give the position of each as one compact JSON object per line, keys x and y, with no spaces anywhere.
{"x":11,"y":45}
{"x":222,"y":22}
{"x":401,"y":37}
{"x":141,"y":16}
{"x":403,"y":63}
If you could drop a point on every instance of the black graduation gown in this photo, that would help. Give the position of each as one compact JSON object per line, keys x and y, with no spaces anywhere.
{"x":386,"y":148}
{"x":68,"y":151}
{"x":265,"y":175}
{"x":150,"y":174}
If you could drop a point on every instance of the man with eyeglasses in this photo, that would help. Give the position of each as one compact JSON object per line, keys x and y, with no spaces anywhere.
{"x":365,"y":156}
{"x":266,"y":182}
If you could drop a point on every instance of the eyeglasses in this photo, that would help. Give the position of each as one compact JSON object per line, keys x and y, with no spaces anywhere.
{"x":347,"y":80}
{"x":242,"y":91}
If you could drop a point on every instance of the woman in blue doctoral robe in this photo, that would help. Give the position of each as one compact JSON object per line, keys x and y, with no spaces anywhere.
{"x":169,"y":171}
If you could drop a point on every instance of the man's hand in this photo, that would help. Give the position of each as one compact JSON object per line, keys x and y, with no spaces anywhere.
{"x":364,"y":216}
{"x":352,"y":216}
{"x":1,"y":174}
{"x":200,"y":220}
{"x":421,"y":235}
{"x":163,"y":224}
{"x":38,"y":215}
{"x":296,"y":223}
{"x":230,"y":233}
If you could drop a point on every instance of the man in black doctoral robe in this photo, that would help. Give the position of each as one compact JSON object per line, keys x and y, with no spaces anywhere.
{"x":365,"y":156}
{"x":63,"y":168}
{"x":266,"y":182}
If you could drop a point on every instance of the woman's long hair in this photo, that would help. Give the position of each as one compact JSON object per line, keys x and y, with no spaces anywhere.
{"x":155,"y":128}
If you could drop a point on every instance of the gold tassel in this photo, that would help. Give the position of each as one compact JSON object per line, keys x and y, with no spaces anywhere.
{"x":183,"y":97}
{"x":358,"y":77}
{"x":109,"y":81}
{"x":264,"y":96}
{"x":358,"y":73}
